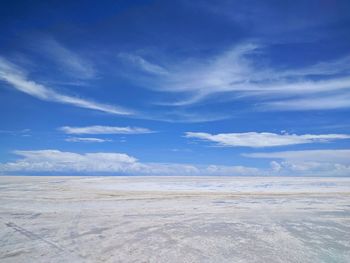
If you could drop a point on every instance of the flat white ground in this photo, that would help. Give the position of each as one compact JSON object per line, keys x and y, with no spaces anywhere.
{"x":174,"y":219}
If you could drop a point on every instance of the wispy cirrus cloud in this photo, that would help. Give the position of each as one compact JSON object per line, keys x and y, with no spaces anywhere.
{"x":237,"y":73}
{"x":143,"y":64}
{"x":68,"y":61}
{"x":277,"y":27}
{"x":23,"y":132}
{"x":330,"y":102}
{"x":18,"y":79}
{"x":183,"y":116}
{"x":263,"y":139}
{"x":86,"y":139}
{"x":97,"y":129}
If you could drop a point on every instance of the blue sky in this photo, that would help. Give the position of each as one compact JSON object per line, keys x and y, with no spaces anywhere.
{"x":175,"y":87}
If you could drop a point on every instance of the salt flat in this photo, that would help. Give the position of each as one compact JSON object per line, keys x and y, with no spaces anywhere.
{"x":174,"y":219}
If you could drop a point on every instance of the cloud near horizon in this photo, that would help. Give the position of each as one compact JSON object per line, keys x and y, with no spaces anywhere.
{"x":308,"y":162}
{"x":110,"y":163}
{"x":263,"y":139}
{"x":337,"y":155}
{"x":292,"y":163}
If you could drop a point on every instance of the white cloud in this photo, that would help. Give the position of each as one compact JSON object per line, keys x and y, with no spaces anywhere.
{"x":57,"y":161}
{"x":92,"y":163}
{"x":312,"y":103}
{"x":294,"y":163}
{"x":264,"y":139}
{"x":184,"y":116}
{"x":313,"y":168}
{"x":232,"y":170}
{"x":23,"y":132}
{"x":239,"y":72}
{"x":333,"y":156}
{"x":104,"y":130}
{"x":275,"y":166}
{"x":144,"y":64}
{"x":308,"y":162}
{"x":69,"y":62}
{"x":17,"y":78}
{"x":85,"y":139}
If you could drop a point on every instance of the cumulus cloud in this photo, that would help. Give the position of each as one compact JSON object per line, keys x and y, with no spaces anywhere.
{"x":18,"y":79}
{"x":104,"y":130}
{"x":85,"y":139}
{"x":264,"y":139}
{"x":112,"y":163}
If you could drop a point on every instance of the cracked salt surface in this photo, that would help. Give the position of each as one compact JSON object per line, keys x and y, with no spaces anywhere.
{"x":174,"y":219}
